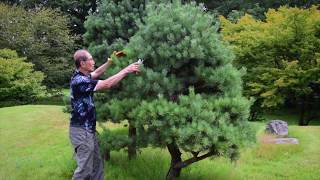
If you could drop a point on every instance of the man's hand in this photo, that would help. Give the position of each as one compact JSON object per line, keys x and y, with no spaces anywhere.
{"x":134,"y":67}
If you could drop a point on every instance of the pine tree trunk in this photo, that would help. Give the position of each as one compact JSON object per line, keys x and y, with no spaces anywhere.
{"x":175,"y":159}
{"x":132,"y":152}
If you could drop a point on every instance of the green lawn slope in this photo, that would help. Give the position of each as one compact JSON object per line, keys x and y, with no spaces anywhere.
{"x":34,"y":145}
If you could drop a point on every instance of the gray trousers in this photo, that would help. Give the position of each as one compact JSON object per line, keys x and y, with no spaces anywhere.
{"x":87,"y":155}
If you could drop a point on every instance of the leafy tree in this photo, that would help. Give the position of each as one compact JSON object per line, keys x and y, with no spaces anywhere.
{"x":43,"y":37}
{"x":188,"y":95}
{"x":77,"y":11}
{"x":256,"y":8}
{"x":18,"y":81}
{"x":281,"y":55}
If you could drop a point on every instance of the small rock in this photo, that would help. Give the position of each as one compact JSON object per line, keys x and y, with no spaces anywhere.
{"x":283,"y":141}
{"x":277,"y":127}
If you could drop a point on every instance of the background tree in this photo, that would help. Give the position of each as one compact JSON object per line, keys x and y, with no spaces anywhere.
{"x":76,"y":11}
{"x":256,"y":8}
{"x":41,"y":36}
{"x":280,"y":54}
{"x":19,"y":83}
{"x":191,"y":92}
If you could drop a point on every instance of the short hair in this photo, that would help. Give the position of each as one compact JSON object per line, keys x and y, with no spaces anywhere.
{"x":80,"y":55}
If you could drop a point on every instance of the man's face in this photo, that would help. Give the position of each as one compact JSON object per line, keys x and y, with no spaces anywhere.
{"x":88,"y":65}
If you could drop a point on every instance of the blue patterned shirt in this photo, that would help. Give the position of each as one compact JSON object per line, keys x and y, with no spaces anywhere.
{"x":83,"y":112}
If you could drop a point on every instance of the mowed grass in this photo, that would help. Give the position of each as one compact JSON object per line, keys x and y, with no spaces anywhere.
{"x":34,"y":144}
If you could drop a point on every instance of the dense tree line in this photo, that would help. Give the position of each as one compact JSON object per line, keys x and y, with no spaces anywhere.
{"x":43,"y":37}
{"x":75,"y":10}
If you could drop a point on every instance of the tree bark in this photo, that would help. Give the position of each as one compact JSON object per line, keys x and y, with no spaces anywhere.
{"x":175,"y":159}
{"x":302,"y":112}
{"x":132,"y":149}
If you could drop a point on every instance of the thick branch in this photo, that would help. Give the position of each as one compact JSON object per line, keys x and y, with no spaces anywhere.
{"x":194,"y":159}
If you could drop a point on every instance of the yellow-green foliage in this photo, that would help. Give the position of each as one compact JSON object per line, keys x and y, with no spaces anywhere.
{"x":281,"y":54}
{"x":18,"y":80}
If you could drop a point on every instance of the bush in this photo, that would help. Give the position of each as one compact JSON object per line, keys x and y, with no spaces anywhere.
{"x":19,"y":82}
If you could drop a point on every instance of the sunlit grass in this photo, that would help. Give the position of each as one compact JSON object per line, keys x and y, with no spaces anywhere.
{"x":34,"y":144}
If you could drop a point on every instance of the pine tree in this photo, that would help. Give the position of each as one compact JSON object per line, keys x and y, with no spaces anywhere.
{"x":188,"y":96}
{"x":111,"y":26}
{"x":109,"y":29}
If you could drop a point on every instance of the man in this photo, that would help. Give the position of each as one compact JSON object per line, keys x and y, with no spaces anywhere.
{"x":83,"y":117}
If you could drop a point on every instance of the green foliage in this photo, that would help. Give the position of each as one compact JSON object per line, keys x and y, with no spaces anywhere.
{"x":196,"y":124}
{"x":281,"y":54}
{"x":180,"y":51}
{"x":283,"y":51}
{"x":113,"y":140}
{"x":256,"y":8}
{"x":19,"y":82}
{"x":77,"y":11}
{"x":43,"y":37}
{"x":111,"y":26}
{"x":191,"y":92}
{"x":275,"y":85}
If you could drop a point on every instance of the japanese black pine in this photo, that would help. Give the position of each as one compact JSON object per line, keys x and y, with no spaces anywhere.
{"x":188,"y":96}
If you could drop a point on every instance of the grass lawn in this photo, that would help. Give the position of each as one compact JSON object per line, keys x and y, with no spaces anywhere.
{"x":34,"y":144}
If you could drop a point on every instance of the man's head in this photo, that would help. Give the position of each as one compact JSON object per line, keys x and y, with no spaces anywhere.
{"x":83,"y":60}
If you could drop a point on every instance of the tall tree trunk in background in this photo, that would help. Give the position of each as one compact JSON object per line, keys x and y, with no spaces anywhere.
{"x":132,"y":149}
{"x":302,"y":112}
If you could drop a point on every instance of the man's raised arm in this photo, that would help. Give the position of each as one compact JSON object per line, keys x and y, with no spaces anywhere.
{"x":113,"y":80}
{"x":100,"y":70}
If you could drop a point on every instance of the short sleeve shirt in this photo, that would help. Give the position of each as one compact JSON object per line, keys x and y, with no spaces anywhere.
{"x":83,"y":112}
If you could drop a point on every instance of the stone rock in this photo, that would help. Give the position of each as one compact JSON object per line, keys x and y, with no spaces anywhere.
{"x":277,"y":127}
{"x":283,"y":141}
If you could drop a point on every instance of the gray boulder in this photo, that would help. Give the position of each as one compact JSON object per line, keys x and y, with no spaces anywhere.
{"x":277,"y":127}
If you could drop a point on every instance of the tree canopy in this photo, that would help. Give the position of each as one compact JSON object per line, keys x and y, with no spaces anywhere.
{"x":43,"y":37}
{"x":76,"y":11}
{"x":281,"y":54}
